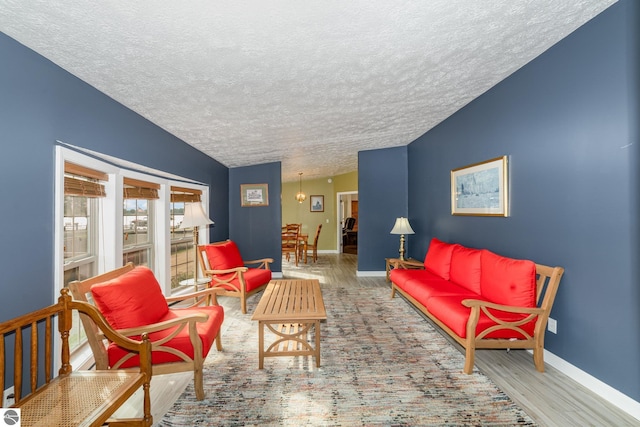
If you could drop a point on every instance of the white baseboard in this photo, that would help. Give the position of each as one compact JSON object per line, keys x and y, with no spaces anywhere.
{"x":371,"y":274}
{"x":598,"y":387}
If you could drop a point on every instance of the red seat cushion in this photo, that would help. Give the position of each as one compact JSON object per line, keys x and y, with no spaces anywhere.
{"x":450,"y":311}
{"x":223,"y":256}
{"x":253,"y":278}
{"x":465,"y":268}
{"x":400,"y":276}
{"x":438,"y":258}
{"x":508,"y":281}
{"x":207,"y":331}
{"x":130,"y":300}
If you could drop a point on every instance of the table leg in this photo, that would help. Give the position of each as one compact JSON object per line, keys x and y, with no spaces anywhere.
{"x":317,"y":323}
{"x":261,"y":345}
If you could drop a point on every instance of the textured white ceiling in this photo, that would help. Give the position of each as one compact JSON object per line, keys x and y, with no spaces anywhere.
{"x":308,"y":83}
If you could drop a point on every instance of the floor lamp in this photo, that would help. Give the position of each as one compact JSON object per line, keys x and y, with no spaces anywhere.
{"x":194,"y":216}
{"x":402,"y":227}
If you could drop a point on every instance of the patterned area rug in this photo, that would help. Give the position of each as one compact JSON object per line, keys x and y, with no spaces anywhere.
{"x":382,"y":364}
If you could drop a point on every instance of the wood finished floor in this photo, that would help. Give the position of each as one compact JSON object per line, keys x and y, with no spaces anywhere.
{"x":551,"y":398}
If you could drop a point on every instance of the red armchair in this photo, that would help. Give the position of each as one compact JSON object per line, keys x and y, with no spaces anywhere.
{"x":131,"y":300}
{"x":229,"y":273}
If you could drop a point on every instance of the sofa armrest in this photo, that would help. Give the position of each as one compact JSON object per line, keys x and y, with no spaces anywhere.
{"x":486,"y":307}
{"x":508,"y":308}
{"x":406,"y":264}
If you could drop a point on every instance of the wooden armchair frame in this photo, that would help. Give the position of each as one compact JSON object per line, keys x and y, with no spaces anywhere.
{"x":102,"y":391}
{"x":222,"y":279}
{"x":82,"y":289}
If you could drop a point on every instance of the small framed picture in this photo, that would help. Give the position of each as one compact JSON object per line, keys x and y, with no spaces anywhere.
{"x":481,"y":189}
{"x":254,"y":195}
{"x":317,"y":203}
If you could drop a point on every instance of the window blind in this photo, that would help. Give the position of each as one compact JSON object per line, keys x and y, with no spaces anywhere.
{"x":83,"y":181}
{"x":137,"y":189}
{"x":186,"y":195}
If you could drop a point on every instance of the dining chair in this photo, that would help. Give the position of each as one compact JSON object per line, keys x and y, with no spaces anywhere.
{"x":313,"y":247}
{"x":290,"y":244}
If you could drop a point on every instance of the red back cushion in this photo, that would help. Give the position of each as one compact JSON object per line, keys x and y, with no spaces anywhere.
{"x":438,"y":258}
{"x":508,"y":281}
{"x":223,"y":256}
{"x":465,"y":267}
{"x":130,"y":300}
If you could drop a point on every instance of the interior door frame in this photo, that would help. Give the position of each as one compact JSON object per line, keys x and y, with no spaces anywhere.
{"x":339,"y":214}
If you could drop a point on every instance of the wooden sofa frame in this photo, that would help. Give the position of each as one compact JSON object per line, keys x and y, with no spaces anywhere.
{"x":547,"y":282}
{"x":93,"y":395}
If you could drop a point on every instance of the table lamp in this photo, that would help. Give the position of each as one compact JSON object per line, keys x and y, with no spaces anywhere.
{"x":402,"y":227}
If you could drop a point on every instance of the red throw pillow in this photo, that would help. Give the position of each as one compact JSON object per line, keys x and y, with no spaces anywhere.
{"x":223,"y":256}
{"x":465,"y":268}
{"x":438,"y":258}
{"x":130,"y":300}
{"x":508,"y":281}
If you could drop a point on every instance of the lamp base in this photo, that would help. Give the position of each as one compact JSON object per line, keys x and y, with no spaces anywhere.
{"x":401,"y":251}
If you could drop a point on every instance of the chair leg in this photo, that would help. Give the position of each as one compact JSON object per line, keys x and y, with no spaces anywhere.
{"x":218,"y":342}
{"x":243,"y":304}
{"x":198,"y":382}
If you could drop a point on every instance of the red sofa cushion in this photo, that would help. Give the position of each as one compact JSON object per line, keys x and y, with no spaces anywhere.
{"x":423,"y":291}
{"x":223,"y":256}
{"x":465,"y":268}
{"x":450,"y":311}
{"x":508,"y":281}
{"x":207,"y":331}
{"x":130,"y":300}
{"x":400,"y":276}
{"x":253,"y":278}
{"x":438,"y":258}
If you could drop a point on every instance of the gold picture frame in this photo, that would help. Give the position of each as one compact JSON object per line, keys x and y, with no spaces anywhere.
{"x":481,"y":189}
{"x":252,"y":195}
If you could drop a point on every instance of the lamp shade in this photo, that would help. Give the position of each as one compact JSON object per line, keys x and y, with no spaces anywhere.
{"x":402,"y":226}
{"x":194,"y":216}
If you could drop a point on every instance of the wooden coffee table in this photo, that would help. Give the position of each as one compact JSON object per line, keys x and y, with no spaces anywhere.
{"x":290,"y":309}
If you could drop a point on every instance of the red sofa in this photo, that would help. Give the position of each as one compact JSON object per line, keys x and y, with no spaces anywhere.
{"x":481,"y":299}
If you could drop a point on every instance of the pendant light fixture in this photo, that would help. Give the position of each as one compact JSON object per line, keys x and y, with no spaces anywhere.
{"x":300,"y":197}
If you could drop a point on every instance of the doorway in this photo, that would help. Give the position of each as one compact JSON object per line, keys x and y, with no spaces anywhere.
{"x":347,"y":208}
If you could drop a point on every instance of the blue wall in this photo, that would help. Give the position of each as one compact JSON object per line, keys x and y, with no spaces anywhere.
{"x":39,"y":104}
{"x":569,"y":123}
{"x":256,"y":230}
{"x":382,"y":197}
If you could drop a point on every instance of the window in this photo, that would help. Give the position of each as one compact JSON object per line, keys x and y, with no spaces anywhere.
{"x":138,"y":221}
{"x":82,"y":190}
